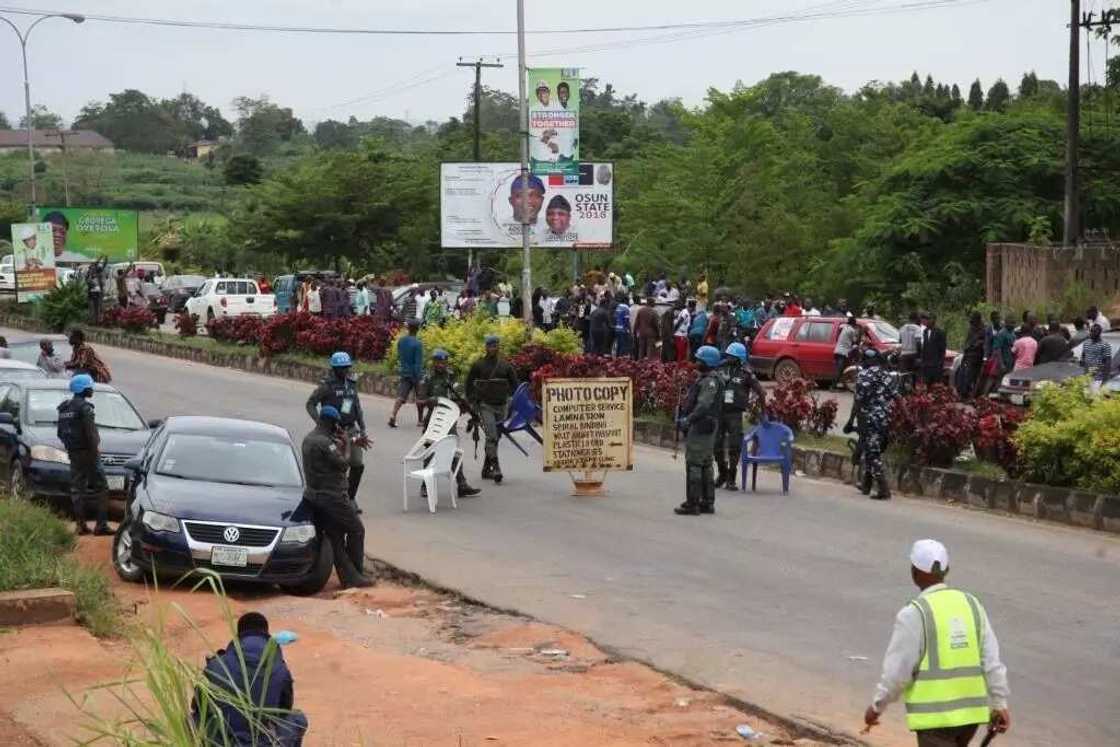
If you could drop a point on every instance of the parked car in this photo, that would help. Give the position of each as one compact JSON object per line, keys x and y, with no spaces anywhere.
{"x":789,"y":347}
{"x":1018,"y":386}
{"x":178,"y":289}
{"x":8,"y":274}
{"x":223,"y":495}
{"x":452,"y":289}
{"x":33,"y":461}
{"x":226,"y":297}
{"x":27,"y":351}
{"x":284,"y":287}
{"x":13,"y":370}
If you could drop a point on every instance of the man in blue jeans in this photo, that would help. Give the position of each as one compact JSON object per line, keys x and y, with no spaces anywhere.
{"x":410,"y":368}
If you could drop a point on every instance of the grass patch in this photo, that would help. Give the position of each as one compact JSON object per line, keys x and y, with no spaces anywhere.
{"x":828,"y":442}
{"x":981,"y":468}
{"x":34,"y":554}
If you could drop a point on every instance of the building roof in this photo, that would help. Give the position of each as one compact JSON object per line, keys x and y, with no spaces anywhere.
{"x":51,"y":139}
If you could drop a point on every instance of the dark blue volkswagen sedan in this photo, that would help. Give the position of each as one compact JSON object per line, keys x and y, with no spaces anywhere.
{"x":224,"y":495}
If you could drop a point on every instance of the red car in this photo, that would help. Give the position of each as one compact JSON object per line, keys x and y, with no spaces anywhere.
{"x":801,"y":347}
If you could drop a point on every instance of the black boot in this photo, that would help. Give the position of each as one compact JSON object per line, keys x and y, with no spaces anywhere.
{"x":865,"y":482}
{"x":353,"y":480}
{"x":487,"y":468}
{"x":464,"y":489}
{"x":102,"y":530}
{"x":883,"y":490}
{"x":496,"y":472}
{"x":729,"y":483}
{"x":82,"y":528}
{"x":687,"y":509}
{"x":721,"y":476}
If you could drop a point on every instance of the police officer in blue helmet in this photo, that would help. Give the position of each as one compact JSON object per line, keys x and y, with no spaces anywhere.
{"x":340,"y":390}
{"x":698,"y":419}
{"x":77,"y":429}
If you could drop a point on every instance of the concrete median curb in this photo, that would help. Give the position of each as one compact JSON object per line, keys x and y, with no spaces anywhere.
{"x":1069,"y":506}
{"x":37,"y":606}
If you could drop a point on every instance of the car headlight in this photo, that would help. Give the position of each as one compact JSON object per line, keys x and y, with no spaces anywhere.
{"x":1041,"y":385}
{"x":1005,"y":381}
{"x":49,"y":454}
{"x":158,"y":522}
{"x":299,"y":534}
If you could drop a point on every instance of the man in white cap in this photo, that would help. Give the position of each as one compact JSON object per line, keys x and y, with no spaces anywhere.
{"x":943,"y":658}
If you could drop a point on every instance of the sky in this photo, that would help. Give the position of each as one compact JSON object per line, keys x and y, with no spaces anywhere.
{"x":415,"y":77}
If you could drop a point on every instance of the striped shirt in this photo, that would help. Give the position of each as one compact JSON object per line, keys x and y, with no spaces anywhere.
{"x":1096,"y":358}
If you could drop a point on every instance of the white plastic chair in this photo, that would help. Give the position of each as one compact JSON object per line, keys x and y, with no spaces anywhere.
{"x":440,"y":471}
{"x":443,"y":418}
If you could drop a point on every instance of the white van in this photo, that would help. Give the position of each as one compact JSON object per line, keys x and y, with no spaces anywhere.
{"x":224,"y":297}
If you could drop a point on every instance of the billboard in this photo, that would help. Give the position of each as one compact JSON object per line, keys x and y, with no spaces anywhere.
{"x":480,"y":207}
{"x":588,"y":424}
{"x":553,"y":120}
{"x":87,"y":234}
{"x":33,"y":256}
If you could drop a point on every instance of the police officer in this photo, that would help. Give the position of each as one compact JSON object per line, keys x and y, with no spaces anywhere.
{"x":738,"y":384}
{"x":440,"y":382}
{"x":326,"y":458}
{"x":340,"y":391}
{"x":699,"y":418}
{"x":77,"y":430}
{"x":490,"y":384}
{"x":875,"y":394}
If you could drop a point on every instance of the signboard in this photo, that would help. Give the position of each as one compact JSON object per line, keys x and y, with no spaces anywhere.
{"x":33,"y":258}
{"x":588,"y":424}
{"x":87,"y":234}
{"x":553,"y":120}
{"x":480,"y":207}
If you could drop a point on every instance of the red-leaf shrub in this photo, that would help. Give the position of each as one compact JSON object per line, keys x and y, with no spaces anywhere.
{"x":533,"y":357}
{"x":364,"y":337}
{"x":794,"y":404}
{"x":186,"y":323}
{"x":129,"y":318}
{"x":658,"y":387}
{"x":824,"y":416}
{"x":242,"y":330}
{"x":932,"y":425}
{"x":996,"y":424}
{"x":280,"y":332}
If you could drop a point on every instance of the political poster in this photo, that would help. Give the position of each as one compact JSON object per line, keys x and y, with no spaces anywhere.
{"x":588,"y":424}
{"x":33,"y":259}
{"x":553,"y":120}
{"x":86,"y":234}
{"x":481,"y":207}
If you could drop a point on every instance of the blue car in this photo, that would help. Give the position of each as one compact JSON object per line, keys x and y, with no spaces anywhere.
{"x":223,"y":495}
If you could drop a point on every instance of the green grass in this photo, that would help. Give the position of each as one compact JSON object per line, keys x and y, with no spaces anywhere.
{"x":34,"y":554}
{"x":837,"y":444}
{"x":981,"y":468}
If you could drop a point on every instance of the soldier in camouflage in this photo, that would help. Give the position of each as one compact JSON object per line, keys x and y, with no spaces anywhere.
{"x":875,"y":394}
{"x":699,"y":418}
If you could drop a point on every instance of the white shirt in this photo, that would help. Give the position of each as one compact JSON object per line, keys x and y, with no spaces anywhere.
{"x":904,"y":654}
{"x":421,"y":302}
{"x":1103,"y":321}
{"x":314,"y":301}
{"x":683,"y":322}
{"x":813,"y":312}
{"x":547,"y":305}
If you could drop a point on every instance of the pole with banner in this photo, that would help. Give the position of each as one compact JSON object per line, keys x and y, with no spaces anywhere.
{"x":523,"y":118}
{"x":588,"y":429}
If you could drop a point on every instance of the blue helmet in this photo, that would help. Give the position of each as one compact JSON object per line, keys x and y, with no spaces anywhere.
{"x":80,"y":383}
{"x":439,"y":355}
{"x":737,"y":350}
{"x":341,"y":360}
{"x":329,"y":412}
{"x":709,"y":356}
{"x":493,"y":339}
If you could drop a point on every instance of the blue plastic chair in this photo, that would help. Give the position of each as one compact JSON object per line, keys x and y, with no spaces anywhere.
{"x":523,"y":413}
{"x":775,"y":446}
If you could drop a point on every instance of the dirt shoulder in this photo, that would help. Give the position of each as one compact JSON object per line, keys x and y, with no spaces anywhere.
{"x":391,"y":665}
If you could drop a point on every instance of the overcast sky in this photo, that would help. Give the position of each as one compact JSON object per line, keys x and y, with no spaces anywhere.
{"x":324,"y":77}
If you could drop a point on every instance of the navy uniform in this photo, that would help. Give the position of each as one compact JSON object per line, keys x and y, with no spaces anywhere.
{"x":699,"y":418}
{"x":490,"y":384}
{"x":439,"y":382}
{"x":77,"y":429}
{"x":340,"y":391}
{"x":326,"y":459}
{"x":739,"y":382}
{"x":875,"y":394}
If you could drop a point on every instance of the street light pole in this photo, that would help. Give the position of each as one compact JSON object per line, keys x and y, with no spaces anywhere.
{"x":23,"y":37}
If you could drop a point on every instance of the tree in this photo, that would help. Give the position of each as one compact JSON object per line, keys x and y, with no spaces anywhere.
{"x":41,"y":119}
{"x":956,"y":97}
{"x":133,"y":121}
{"x":262,"y":125}
{"x":242,"y":169}
{"x":1028,"y":86}
{"x":976,"y":96}
{"x":4,"y":123}
{"x":196,"y":120}
{"x":999,"y":96}
{"x":333,"y":134}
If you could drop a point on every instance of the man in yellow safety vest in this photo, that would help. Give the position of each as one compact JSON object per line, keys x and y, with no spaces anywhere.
{"x":943,"y":658}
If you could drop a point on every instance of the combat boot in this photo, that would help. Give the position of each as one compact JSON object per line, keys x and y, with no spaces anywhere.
{"x":487,"y":468}
{"x":729,"y":483}
{"x":865,"y":482}
{"x":721,"y":476}
{"x":687,"y":509}
{"x":883,"y":490}
{"x":496,"y":472}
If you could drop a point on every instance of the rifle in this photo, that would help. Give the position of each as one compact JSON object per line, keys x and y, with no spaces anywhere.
{"x":474,"y":426}
{"x":676,"y":421}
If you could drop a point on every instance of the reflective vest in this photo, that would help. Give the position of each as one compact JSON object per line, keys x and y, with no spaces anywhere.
{"x":949,"y":688}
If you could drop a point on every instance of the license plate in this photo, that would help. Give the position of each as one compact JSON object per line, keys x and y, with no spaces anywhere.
{"x":235,"y":556}
{"x":1018,"y":399}
{"x":116,"y":482}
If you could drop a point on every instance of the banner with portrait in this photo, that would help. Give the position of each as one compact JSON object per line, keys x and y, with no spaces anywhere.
{"x":83,"y":235}
{"x":33,"y":259}
{"x":553,"y":120}
{"x":481,"y":207}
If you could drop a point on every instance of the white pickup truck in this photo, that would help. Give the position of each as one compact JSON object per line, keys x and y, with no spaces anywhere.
{"x":8,"y":274}
{"x":222,"y":297}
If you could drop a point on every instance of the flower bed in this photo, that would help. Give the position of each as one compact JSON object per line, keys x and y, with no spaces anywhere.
{"x":129,"y":318}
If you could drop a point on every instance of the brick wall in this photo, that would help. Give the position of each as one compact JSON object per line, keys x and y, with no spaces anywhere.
{"x":1025,"y":275}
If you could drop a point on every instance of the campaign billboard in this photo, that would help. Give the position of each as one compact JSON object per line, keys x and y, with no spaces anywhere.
{"x":553,"y":120}
{"x":87,"y":234}
{"x":33,"y":257}
{"x":480,"y":207}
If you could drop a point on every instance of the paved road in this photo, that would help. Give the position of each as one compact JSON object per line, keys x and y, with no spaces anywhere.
{"x":775,"y":600}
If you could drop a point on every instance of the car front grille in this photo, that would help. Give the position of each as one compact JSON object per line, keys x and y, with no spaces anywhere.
{"x":1019,"y":383}
{"x":114,"y":460}
{"x":214,"y":534}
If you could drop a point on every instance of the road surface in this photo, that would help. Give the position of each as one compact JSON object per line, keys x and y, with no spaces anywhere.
{"x":784,"y":602}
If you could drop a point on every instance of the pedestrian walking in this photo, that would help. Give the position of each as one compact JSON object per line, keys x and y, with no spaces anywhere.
{"x":943,"y":659}
{"x":846,"y":342}
{"x":622,"y":323}
{"x":1096,"y":358}
{"x":699,"y":419}
{"x":875,"y":395}
{"x":682,"y":323}
{"x":84,"y":359}
{"x":739,"y":383}
{"x":77,"y":430}
{"x":340,"y":391}
{"x":95,"y":288}
{"x":326,"y":461}
{"x":601,"y":328}
{"x":314,"y":299}
{"x":972,"y":357}
{"x":909,"y":339}
{"x":410,"y":369}
{"x":932,"y":352}
{"x":647,"y":329}
{"x":439,"y":382}
{"x":489,"y":386}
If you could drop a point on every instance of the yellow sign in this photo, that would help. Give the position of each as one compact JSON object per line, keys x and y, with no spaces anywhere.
{"x":588,"y":424}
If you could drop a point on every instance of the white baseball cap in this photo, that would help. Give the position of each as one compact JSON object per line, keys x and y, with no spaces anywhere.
{"x":926,"y":552}
{"x":28,"y":232}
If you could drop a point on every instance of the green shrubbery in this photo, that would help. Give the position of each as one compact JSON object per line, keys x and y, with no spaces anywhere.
{"x":63,"y":307}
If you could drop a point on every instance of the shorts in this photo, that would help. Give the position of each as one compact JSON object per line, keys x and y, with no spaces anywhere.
{"x":407,"y":385}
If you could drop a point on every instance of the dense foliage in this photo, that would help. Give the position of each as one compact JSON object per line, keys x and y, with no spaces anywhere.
{"x":63,"y":307}
{"x":129,"y":318}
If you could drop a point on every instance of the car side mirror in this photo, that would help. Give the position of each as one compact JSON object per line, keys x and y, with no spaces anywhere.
{"x":134,"y":465}
{"x":155,"y":423}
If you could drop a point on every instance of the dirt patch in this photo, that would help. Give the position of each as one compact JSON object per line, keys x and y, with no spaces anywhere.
{"x":389,"y":665}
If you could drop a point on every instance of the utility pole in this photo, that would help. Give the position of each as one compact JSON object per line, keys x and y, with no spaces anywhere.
{"x":65,"y":177}
{"x":477,"y":65}
{"x":523,"y":118}
{"x":1072,"y":227}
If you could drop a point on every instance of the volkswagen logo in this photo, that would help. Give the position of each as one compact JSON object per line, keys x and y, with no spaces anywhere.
{"x":231,"y":534}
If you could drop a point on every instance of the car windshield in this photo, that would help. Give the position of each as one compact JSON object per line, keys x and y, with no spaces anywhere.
{"x":18,"y":374}
{"x":239,"y":461}
{"x":111,"y":409}
{"x":28,"y":351}
{"x":884,"y":331}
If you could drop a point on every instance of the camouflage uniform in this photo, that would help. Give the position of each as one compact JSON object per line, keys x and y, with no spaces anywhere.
{"x":701,"y":410}
{"x":875,"y":393}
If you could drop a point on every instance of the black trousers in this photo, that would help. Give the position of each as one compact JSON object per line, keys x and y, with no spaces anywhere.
{"x":87,"y":481}
{"x":953,"y":736}
{"x":337,"y":518}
